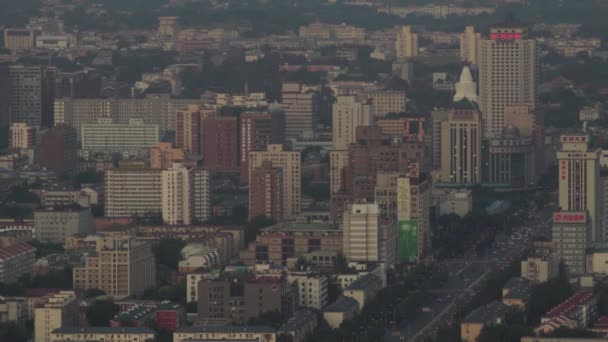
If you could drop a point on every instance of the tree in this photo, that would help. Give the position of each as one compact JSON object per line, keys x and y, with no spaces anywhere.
{"x":12,"y":332}
{"x":253,"y":227}
{"x":272,"y":319}
{"x":92,"y":293}
{"x":101,"y":312}
{"x":46,"y":248}
{"x":168,"y":252}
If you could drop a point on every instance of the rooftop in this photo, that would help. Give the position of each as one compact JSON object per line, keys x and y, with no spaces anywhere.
{"x":487,"y":313}
{"x":300,"y":318}
{"x":365,"y":282}
{"x":301,"y":227}
{"x":225,"y":329}
{"x":14,"y":249}
{"x":135,"y":313}
{"x":103,"y":330}
{"x":342,"y":304}
{"x":570,"y":304}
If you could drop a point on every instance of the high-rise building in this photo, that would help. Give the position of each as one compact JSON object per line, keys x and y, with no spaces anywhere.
{"x":508,"y":74}
{"x":366,"y":236}
{"x":188,"y":127}
{"x":386,"y":194}
{"x":58,"y":150}
{"x":579,"y":180}
{"x":413,"y":217}
{"x":58,"y":310}
{"x":387,"y":101}
{"x":121,"y":266}
{"x":54,"y":224}
{"x":290,"y":163}
{"x":266,"y":192}
{"x":469,"y":45}
{"x":301,"y":110}
{"x":107,"y":137}
{"x":258,"y":129}
{"x":407,"y":43}
{"x":312,"y":289}
{"x":338,"y":162}
{"x":163,"y":155}
{"x":571,"y":233}
{"x":32,"y":94}
{"x":220,"y":144}
{"x":177,"y":194}
{"x":131,"y":192}
{"x":403,"y":129}
{"x":16,"y":39}
{"x":202,"y":195}
{"x":461,"y":137}
{"x":348,"y":114}
{"x":21,"y":136}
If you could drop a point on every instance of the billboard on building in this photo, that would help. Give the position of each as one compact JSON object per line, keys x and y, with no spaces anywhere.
{"x":408,"y":241}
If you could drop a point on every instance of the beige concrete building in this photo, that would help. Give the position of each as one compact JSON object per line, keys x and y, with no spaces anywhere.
{"x":290,"y":162}
{"x":13,"y":309}
{"x":16,"y":39}
{"x":131,"y":192}
{"x":386,"y":194}
{"x":455,"y":201}
{"x":188,"y":121}
{"x":407,"y":43}
{"x":579,"y":176}
{"x":508,"y":74}
{"x":107,"y":137}
{"x":163,"y":155}
{"x":540,"y":268}
{"x":386,"y":101}
{"x":460,"y":138}
{"x":343,"y":309}
{"x":348,"y":114}
{"x":413,"y":217}
{"x":59,"y":310}
{"x":469,"y":45}
{"x":22,"y":136}
{"x":312,"y":289}
{"x":121,"y":266}
{"x":95,"y":334}
{"x":54,"y":224}
{"x":597,"y":261}
{"x":177,"y":194}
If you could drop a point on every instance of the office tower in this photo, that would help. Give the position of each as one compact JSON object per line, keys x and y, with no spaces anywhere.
{"x":155,"y":109}
{"x":465,"y":87}
{"x":16,"y":39}
{"x":32,"y":94}
{"x":413,"y":217}
{"x":257,"y":130}
{"x":134,"y":138}
{"x":301,"y":110}
{"x":312,"y":289}
{"x":572,"y":234}
{"x":338,"y":162}
{"x":403,"y":129}
{"x":57,"y":310}
{"x":168,"y":27}
{"x":121,"y":266}
{"x":5,"y":95}
{"x":366,"y":236}
{"x":266,"y":192}
{"x":508,"y":74}
{"x":21,"y":136}
{"x":347,"y":115}
{"x":131,"y":192}
{"x":219,"y":144}
{"x":163,"y":155}
{"x":54,"y":224}
{"x":469,"y":45}
{"x":579,"y":180}
{"x":177,"y":194}
{"x":188,"y":127}
{"x":202,"y":195}
{"x":388,"y":101}
{"x":58,"y":150}
{"x":461,"y":134}
{"x":406,"y":45}
{"x":289,"y":162}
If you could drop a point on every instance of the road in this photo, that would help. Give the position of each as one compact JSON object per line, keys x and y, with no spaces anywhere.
{"x":466,"y":277}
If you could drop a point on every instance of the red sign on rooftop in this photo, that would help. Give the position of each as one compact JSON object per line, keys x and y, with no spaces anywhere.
{"x":566,"y":217}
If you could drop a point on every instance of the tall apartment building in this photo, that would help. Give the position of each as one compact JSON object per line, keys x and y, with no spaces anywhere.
{"x":16,"y":260}
{"x":413,"y":216}
{"x":406,"y":45}
{"x":16,"y":39}
{"x":338,"y":162}
{"x":388,"y":101}
{"x":54,"y":224}
{"x":290,"y":163}
{"x":202,"y":194}
{"x":21,"y":136}
{"x":220,"y":144}
{"x":58,"y":310}
{"x":188,"y":127}
{"x":32,"y":94}
{"x":131,"y":192}
{"x":347,"y":114}
{"x":579,"y":181}
{"x":469,"y":45}
{"x":84,"y":83}
{"x":154,"y":109}
{"x":571,"y":234}
{"x":386,"y":194}
{"x":312,"y":289}
{"x":403,"y":129}
{"x":121,"y":266}
{"x":266,"y":192}
{"x":366,"y":236}
{"x":301,"y":110}
{"x":58,"y":150}
{"x":257,"y":130}
{"x":508,"y":74}
{"x":163,"y":155}
{"x":461,"y":135}
{"x":177,"y":194}
{"x":108,"y":137}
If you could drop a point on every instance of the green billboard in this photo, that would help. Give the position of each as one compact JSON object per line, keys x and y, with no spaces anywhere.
{"x":408,"y":241}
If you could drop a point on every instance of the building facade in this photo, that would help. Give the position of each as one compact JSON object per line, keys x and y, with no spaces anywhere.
{"x":54,"y":224}
{"x":266,"y":192}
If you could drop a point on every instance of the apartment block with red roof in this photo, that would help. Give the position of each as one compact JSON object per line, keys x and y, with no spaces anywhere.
{"x":15,"y":261}
{"x":578,"y":311}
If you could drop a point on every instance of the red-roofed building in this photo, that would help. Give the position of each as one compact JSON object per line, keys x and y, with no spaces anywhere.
{"x":15,"y":261}
{"x":169,"y":316}
{"x":576,"y":312}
